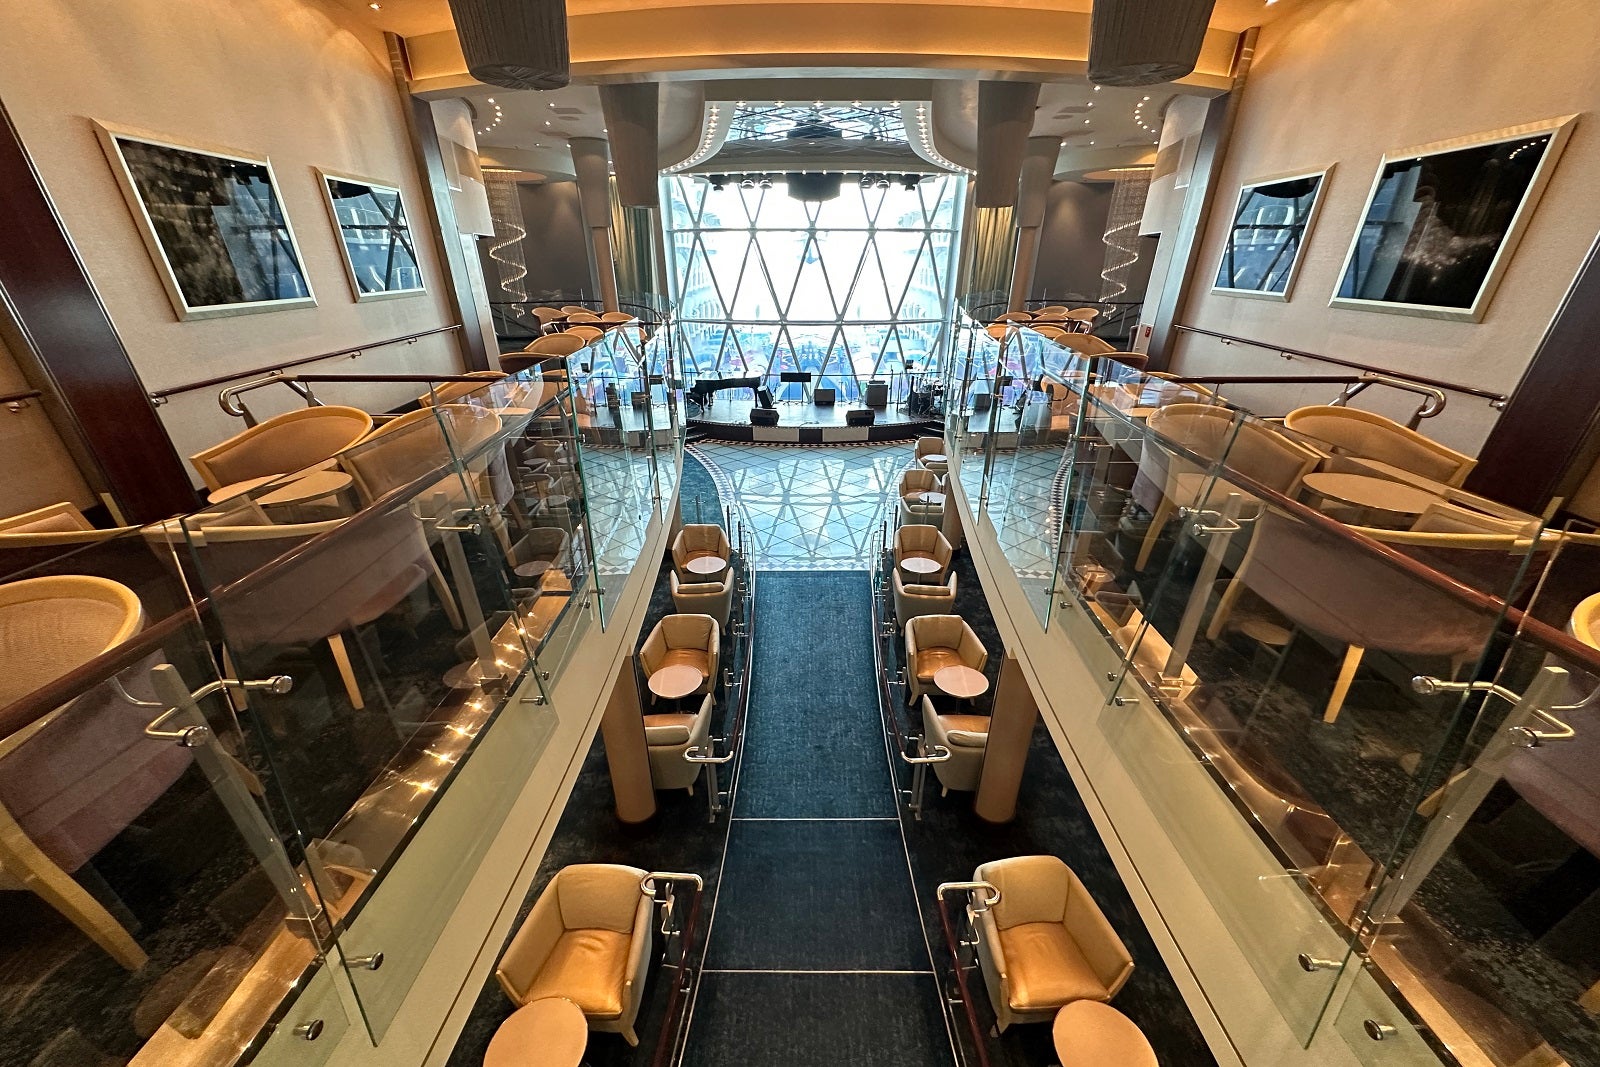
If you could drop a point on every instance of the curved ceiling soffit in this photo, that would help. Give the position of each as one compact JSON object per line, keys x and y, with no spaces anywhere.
{"x":682,"y":121}
{"x":953,"y":122}
{"x":716,"y":120}
{"x":920,"y":120}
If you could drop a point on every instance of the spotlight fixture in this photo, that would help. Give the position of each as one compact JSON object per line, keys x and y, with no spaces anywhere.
{"x":717,"y":181}
{"x":764,"y":182}
{"x":909,"y":182}
{"x":747,"y":183}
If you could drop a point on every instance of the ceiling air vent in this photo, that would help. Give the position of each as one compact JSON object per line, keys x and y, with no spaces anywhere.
{"x":1145,"y":42}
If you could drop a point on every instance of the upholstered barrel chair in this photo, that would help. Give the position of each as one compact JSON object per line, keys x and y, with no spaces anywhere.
{"x":587,"y":940}
{"x":925,"y":542}
{"x":965,"y":736}
{"x":916,"y":598}
{"x":284,"y":444}
{"x":1045,"y":943}
{"x":1353,"y":432}
{"x":700,"y":541}
{"x":667,"y":736}
{"x":684,"y":640}
{"x":704,"y":598}
{"x":925,"y":449}
{"x":917,"y":480}
{"x":937,"y":641}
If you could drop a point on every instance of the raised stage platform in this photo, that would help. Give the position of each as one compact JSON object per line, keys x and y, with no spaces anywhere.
{"x":727,"y":418}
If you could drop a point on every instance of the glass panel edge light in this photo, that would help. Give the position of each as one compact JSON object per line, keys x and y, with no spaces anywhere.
{"x":375,"y":238}
{"x":1429,"y":246}
{"x":228,"y":255}
{"x":1266,"y":242}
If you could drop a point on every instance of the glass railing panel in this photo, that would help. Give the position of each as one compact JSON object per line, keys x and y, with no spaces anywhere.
{"x":161,"y":915}
{"x":1485,"y":931}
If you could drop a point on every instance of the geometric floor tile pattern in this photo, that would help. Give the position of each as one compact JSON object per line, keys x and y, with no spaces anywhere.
{"x":808,"y":507}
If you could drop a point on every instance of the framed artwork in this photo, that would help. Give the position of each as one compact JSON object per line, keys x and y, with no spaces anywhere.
{"x":214,"y":224}
{"x":1270,"y":224}
{"x":380,"y":255}
{"x":1443,"y":219}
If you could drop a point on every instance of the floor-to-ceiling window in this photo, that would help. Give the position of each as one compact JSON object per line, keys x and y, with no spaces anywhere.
{"x":846,"y":289}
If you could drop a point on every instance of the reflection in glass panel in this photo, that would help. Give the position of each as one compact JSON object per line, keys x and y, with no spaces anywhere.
{"x":375,"y":235}
{"x":1269,"y":227}
{"x":1436,"y":222}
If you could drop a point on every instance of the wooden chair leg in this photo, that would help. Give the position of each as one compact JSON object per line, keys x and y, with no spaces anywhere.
{"x":447,"y":599}
{"x":1341,"y":687}
{"x":1158,"y":522}
{"x":58,"y":889}
{"x":341,"y":658}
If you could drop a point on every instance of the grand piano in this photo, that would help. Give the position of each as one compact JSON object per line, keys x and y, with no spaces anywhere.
{"x":702,"y":391}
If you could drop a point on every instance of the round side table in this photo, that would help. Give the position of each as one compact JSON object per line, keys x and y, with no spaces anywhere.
{"x":551,"y":1032}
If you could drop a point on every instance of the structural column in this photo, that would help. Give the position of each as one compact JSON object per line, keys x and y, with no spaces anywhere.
{"x":1033,"y":192}
{"x":628,"y":759}
{"x":591,"y":160}
{"x":1005,"y":757}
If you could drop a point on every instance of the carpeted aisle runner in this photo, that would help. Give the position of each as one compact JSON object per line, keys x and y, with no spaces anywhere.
{"x":815,"y":953}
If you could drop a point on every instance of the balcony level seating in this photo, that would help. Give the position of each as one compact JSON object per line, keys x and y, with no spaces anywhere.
{"x":713,"y":598}
{"x":667,"y":736}
{"x":934,"y":642}
{"x":449,"y":392}
{"x":1045,"y":943}
{"x":930,"y":596}
{"x":700,"y":541}
{"x":927,"y":447}
{"x":587,"y":940}
{"x":966,"y":737}
{"x":925,"y":542}
{"x":684,"y":640}
{"x":284,"y":444}
{"x":1353,"y":432}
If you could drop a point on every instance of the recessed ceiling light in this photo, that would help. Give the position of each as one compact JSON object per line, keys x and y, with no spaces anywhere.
{"x":1091,"y":142}
{"x":1097,"y":88}
{"x":376,"y":6}
{"x":1086,"y":122}
{"x":491,"y":100}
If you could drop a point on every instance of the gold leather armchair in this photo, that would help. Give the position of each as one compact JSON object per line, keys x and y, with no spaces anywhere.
{"x":704,"y":598}
{"x":924,"y":541}
{"x":1353,"y":432}
{"x":1045,"y":943}
{"x":930,"y":446}
{"x":684,"y":640}
{"x":696,"y":541}
{"x":935,"y":641}
{"x":923,"y":598}
{"x":283,"y":444}
{"x":668,"y":736}
{"x":966,"y":736}
{"x":916,"y":480}
{"x":587,"y":939}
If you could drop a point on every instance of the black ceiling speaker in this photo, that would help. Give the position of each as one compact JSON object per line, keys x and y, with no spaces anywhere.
{"x":1145,"y":42}
{"x":813,"y":187}
{"x":518,"y":44}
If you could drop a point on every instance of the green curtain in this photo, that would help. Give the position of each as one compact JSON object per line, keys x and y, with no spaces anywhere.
{"x":632,"y":243}
{"x":988,"y":251}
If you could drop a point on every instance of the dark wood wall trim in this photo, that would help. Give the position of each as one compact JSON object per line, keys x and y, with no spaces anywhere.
{"x":71,"y":336}
{"x":1549,"y":434}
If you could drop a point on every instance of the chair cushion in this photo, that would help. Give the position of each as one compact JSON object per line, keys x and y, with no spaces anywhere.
{"x":667,"y":729}
{"x":587,"y":967}
{"x":690,"y":657}
{"x":928,"y":590}
{"x":1045,"y":967}
{"x":932,"y":660}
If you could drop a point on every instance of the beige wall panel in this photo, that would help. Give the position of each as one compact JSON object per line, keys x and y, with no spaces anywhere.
{"x":35,"y":467}
{"x":1343,"y":83}
{"x":288,"y":79}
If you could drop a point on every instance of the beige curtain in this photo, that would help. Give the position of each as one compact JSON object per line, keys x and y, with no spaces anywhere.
{"x":632,"y":245}
{"x":988,"y":252}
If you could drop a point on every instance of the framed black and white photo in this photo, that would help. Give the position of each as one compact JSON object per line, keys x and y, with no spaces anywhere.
{"x":214,"y":223}
{"x":1271,"y":221}
{"x":380,"y":255}
{"x":1443,"y":220}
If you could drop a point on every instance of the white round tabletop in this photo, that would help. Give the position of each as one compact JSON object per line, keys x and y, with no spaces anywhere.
{"x":921,"y":565}
{"x":962,"y":682}
{"x":705,"y":565}
{"x":533,"y":569}
{"x":673,"y":683}
{"x":551,"y":1032}
{"x":930,"y":498}
{"x":1087,"y":1032}
{"x":1369,"y":492}
{"x":935,"y":457}
{"x":312,"y":486}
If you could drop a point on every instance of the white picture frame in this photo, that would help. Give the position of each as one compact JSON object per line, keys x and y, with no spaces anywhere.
{"x":214,"y":258}
{"x":1301,"y":227}
{"x":1485,"y":269}
{"x":367,"y":280}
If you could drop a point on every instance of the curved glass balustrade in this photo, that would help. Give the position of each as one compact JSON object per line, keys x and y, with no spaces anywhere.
{"x":266,"y":803}
{"x":1343,"y":690}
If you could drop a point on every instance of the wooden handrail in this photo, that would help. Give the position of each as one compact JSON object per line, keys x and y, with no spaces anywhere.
{"x":17,"y":398}
{"x":1494,"y":398}
{"x":159,"y":396}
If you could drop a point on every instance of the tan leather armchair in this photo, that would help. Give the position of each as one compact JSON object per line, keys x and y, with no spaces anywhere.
{"x":587,"y":939}
{"x":930,"y":446}
{"x":915,"y":513}
{"x":926,"y":542}
{"x":1353,"y":432}
{"x":928,"y":597}
{"x":916,"y":480}
{"x":1045,"y":943}
{"x":936,"y":641}
{"x":699,"y":541}
{"x":283,"y":444}
{"x":668,"y":736}
{"x":704,"y":598}
{"x":684,"y":640}
{"x":966,"y":736}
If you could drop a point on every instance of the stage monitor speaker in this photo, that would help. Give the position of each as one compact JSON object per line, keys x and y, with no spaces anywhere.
{"x":980,"y":402}
{"x":795,"y":377}
{"x":860,"y":417}
{"x":825,"y":396}
{"x":877,"y":394}
{"x":763,"y":416}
